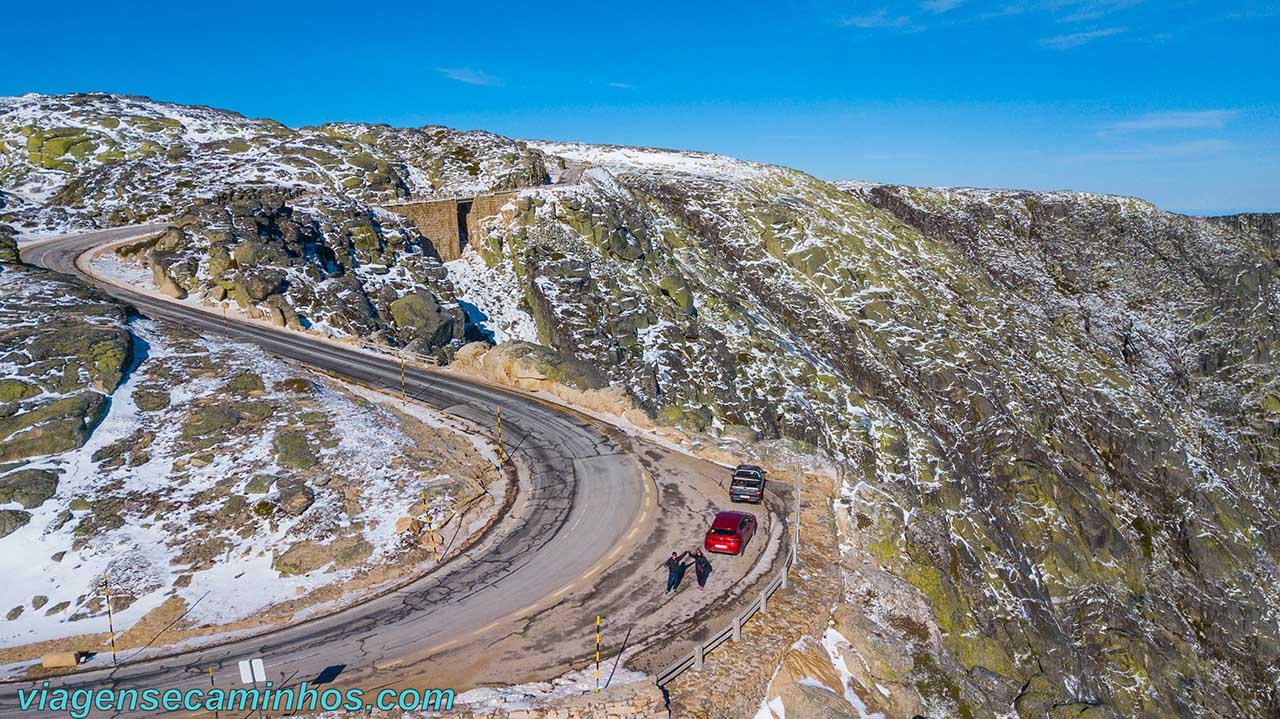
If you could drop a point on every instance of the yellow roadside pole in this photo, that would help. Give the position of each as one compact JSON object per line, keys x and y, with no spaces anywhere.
{"x":402,"y":379}
{"x":106,"y":591}
{"x":501,"y":457}
{"x":597,"y":654}
{"x":430,"y":530}
{"x":224,"y":318}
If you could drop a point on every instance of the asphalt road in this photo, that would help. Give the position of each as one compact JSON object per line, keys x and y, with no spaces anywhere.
{"x":582,"y":495}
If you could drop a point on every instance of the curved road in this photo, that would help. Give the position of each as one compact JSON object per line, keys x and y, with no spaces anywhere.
{"x":580,"y":498}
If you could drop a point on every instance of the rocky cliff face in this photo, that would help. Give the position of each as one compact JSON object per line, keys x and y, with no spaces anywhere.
{"x":1058,"y":413}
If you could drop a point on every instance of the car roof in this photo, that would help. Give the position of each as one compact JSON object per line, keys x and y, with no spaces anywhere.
{"x":728,"y":520}
{"x":749,"y":467}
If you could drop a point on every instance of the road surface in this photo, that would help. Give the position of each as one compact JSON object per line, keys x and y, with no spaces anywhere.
{"x":583,"y":495}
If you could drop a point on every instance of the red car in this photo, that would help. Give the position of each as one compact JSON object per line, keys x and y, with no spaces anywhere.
{"x":730,"y":532}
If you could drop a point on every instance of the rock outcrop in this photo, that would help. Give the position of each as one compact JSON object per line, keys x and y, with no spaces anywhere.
{"x":65,"y":361}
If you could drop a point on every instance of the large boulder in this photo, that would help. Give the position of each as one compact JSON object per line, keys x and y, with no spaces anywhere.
{"x":809,"y":685}
{"x":260,"y":484}
{"x":296,"y":498}
{"x":101,"y":351}
{"x":164,"y":281}
{"x":12,"y":390}
{"x":244,"y":384}
{"x":28,"y":487}
{"x":302,"y":558}
{"x":421,"y":317}
{"x":256,"y":285}
{"x":59,"y":426}
{"x":677,"y":288}
{"x":11,"y":520}
{"x":8,"y":246}
{"x":208,"y":425}
{"x":624,"y":245}
{"x":293,"y":450}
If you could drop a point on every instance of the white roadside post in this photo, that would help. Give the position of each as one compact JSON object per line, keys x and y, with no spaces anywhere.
{"x":795,"y":529}
{"x":253,"y":671}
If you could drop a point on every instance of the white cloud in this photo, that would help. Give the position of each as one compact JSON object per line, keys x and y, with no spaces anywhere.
{"x":469,"y":76}
{"x":1183,"y":120}
{"x":938,"y":7}
{"x":1150,"y":152}
{"x":879,"y":19}
{"x":1084,"y":10}
{"x":1076,"y":39}
{"x":621,"y":85}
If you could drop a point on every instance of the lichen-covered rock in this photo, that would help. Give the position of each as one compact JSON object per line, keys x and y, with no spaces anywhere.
{"x":28,"y":487}
{"x":12,"y":390}
{"x":207,"y":425}
{"x":11,"y":520}
{"x":296,"y":498}
{"x":58,"y":426}
{"x":260,"y":484}
{"x":245,"y":384}
{"x":293,"y":450}
{"x":151,"y":399}
{"x":422,"y":318}
{"x":296,"y":385}
{"x":297,"y":265}
{"x":8,"y":246}
{"x":302,"y":558}
{"x":305,"y":557}
{"x":677,"y":288}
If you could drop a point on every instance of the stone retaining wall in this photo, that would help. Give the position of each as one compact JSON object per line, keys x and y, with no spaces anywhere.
{"x":437,"y":220}
{"x":484,"y":207}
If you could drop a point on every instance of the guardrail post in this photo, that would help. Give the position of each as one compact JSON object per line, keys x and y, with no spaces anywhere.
{"x":764,"y":600}
{"x":784,"y":578}
{"x":698,"y":656}
{"x":737,"y":629}
{"x":795,"y":528}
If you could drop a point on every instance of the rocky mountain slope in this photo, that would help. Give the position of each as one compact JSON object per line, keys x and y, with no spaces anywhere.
{"x":1058,"y":413}
{"x":217,"y":487}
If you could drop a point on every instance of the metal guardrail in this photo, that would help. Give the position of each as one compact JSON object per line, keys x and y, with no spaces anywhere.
{"x":759,"y":605}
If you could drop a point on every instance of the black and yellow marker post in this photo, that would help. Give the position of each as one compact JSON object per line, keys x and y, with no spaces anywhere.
{"x":431,"y":533}
{"x":111,"y":627}
{"x":212,"y":686}
{"x":501,"y":457}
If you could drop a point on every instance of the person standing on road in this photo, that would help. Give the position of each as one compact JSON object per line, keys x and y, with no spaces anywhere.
{"x":675,"y":571}
{"x":701,"y":568}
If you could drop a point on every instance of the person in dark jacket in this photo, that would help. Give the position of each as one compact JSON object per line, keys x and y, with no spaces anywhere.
{"x":701,"y":568}
{"x":675,"y":570}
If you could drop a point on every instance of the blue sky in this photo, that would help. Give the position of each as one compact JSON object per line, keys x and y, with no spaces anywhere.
{"x":1175,"y":101}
